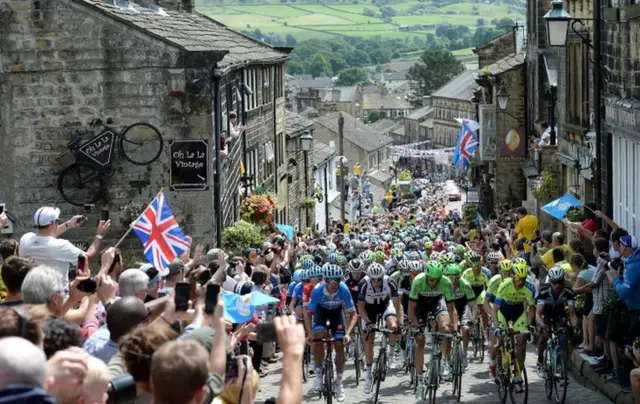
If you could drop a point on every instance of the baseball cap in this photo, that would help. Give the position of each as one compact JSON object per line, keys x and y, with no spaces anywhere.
{"x":629,"y":241}
{"x":46,"y":215}
{"x":213,"y":254}
{"x":175,"y":267}
{"x":153,"y":273}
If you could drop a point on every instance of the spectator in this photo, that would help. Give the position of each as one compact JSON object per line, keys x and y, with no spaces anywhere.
{"x":628,"y":286}
{"x":122,"y":316}
{"x":134,"y":282}
{"x":241,"y":386}
{"x":46,"y":248}
{"x":585,"y":273}
{"x":14,"y":271}
{"x":179,"y":373}
{"x":526,"y":226}
{"x":557,"y":254}
{"x":8,"y":247}
{"x":175,"y":274}
{"x":24,"y":321}
{"x":577,"y":247}
{"x":23,"y":372}
{"x":616,"y":235}
{"x":60,"y":334}
{"x":93,"y":387}
{"x":557,"y":240}
{"x":155,"y":281}
{"x":588,"y":226}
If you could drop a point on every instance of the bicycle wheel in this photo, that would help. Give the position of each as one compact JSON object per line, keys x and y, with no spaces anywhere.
{"x":476,"y":331}
{"x":80,"y":184}
{"x":519,"y":398}
{"x":456,"y":371}
{"x":481,"y":343}
{"x":503,"y":378}
{"x":548,"y":375}
{"x":356,"y":355}
{"x":432,"y":388}
{"x":328,"y":381}
{"x":378,"y":375}
{"x":560,"y":379}
{"x":305,"y":364}
{"x":141,"y":143}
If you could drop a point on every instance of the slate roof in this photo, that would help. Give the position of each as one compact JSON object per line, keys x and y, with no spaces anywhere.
{"x":339,"y":94}
{"x":507,"y":63}
{"x":192,"y":32}
{"x":322,"y":152}
{"x":295,"y":124}
{"x":460,"y":87}
{"x":382,"y":125}
{"x":420,"y":113}
{"x":399,"y":131}
{"x":355,"y":131}
{"x":393,"y":76}
{"x":318,"y":82}
{"x":389,"y":101}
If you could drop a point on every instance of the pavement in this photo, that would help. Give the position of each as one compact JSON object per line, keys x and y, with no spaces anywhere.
{"x":581,"y":367}
{"x":476,"y":387}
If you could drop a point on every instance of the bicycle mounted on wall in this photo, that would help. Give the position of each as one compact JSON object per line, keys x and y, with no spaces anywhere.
{"x":86,"y":164}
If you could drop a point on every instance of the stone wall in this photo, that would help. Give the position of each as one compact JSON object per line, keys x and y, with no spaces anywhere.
{"x":495,"y":50}
{"x":296,"y":187}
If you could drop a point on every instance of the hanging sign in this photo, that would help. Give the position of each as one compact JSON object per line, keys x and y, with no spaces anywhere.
{"x":189,"y":169}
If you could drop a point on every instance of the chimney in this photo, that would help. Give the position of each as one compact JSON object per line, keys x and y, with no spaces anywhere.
{"x":426,"y":101}
{"x":187,"y":6}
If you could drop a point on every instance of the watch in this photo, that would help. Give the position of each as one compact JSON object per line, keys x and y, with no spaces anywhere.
{"x":98,"y":237}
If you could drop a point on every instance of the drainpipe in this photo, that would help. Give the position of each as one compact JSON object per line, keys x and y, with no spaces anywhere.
{"x":243,"y":114}
{"x":217,"y":129}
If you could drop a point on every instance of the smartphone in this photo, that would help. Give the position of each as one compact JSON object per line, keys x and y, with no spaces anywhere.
{"x":2,"y":207}
{"x":205,"y":277}
{"x":88,"y":285}
{"x":211,"y":298}
{"x":266,"y":332}
{"x":104,"y":215}
{"x":82,"y":263}
{"x":181,"y":296}
{"x":73,"y":274}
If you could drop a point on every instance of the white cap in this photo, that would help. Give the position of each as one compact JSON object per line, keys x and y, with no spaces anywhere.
{"x":46,"y":215}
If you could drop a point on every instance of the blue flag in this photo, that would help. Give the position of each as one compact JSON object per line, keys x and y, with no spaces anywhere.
{"x":465,"y":146}
{"x":558,"y":208}
{"x":286,"y":229}
{"x":240,"y":309}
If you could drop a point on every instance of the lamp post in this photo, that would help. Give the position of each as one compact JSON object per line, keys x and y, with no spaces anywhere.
{"x":396,"y":158}
{"x":306,"y":140}
{"x":557,"y":31}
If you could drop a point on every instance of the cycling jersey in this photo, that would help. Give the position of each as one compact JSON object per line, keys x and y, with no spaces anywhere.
{"x":430,"y":300}
{"x":512,"y":304}
{"x":462,"y":295}
{"x":306,"y":293}
{"x":320,"y":298}
{"x":290,"y":290}
{"x":298,"y":292}
{"x":492,"y":287}
{"x":554,"y":303}
{"x":478,"y":282}
{"x":376,"y":298}
{"x":401,"y":281}
{"x":352,"y":284}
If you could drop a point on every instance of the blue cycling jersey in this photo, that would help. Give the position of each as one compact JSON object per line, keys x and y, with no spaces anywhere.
{"x":320,"y":297}
{"x":297,"y":291}
{"x":292,"y":287}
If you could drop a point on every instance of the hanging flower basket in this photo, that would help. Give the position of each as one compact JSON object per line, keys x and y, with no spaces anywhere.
{"x":319,"y":194}
{"x":242,"y":235}
{"x":259,"y":209}
{"x":131,"y":211}
{"x":545,"y":187}
{"x":404,"y":175}
{"x":308,"y":203}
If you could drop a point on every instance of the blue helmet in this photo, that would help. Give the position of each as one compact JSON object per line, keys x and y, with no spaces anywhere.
{"x":297,"y":275}
{"x":332,"y":271}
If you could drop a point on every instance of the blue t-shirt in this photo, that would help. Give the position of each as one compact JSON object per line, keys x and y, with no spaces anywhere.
{"x":320,"y":297}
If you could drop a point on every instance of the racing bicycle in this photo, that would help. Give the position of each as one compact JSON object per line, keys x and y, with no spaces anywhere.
{"x":555,"y":366}
{"x":478,"y":339}
{"x":381,"y":366}
{"x":357,"y":348}
{"x":431,"y":376}
{"x":509,"y":372}
{"x":457,"y":368}
{"x":328,"y":389}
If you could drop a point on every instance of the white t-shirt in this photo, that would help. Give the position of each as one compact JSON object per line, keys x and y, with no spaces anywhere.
{"x":229,"y":284}
{"x":52,"y":252}
{"x":545,"y":139}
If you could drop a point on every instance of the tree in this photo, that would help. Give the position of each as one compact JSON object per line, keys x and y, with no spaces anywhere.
{"x":319,"y":66}
{"x":291,"y":41}
{"x":374,"y":116}
{"x":480,"y":22}
{"x":338,"y":64}
{"x":433,"y":70}
{"x":358,"y":58}
{"x":295,"y":67}
{"x":351,"y":76}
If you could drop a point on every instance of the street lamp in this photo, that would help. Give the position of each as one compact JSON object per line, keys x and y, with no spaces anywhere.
{"x":503,"y":98}
{"x":396,"y":158}
{"x":557,"y":24}
{"x":306,"y":140}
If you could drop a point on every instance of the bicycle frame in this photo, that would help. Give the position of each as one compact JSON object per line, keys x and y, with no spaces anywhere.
{"x":328,"y":391}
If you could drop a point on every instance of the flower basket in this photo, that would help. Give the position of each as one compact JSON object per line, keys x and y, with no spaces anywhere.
{"x":341,"y":172}
{"x":131,"y":211}
{"x":308,"y":203}
{"x":319,"y":194}
{"x":575,"y":214}
{"x":258,"y":209}
{"x":404,"y":175}
{"x":237,"y":238}
{"x":545,"y":187}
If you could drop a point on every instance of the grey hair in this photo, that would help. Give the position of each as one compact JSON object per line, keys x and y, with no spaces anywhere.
{"x":131,"y":282}
{"x":21,"y":362}
{"x":41,"y":284}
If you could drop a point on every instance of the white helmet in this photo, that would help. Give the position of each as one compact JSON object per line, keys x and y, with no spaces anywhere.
{"x":556,"y":274}
{"x":376,"y":271}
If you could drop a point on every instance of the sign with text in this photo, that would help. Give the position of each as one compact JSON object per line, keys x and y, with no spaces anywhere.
{"x":512,"y":143}
{"x":99,"y":148}
{"x":189,"y":165}
{"x":488,"y":142}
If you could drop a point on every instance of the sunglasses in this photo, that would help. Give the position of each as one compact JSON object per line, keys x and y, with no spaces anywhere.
{"x":332,"y":281}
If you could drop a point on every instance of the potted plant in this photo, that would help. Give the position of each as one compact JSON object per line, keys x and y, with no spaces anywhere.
{"x":131,"y":211}
{"x":319,"y":194}
{"x":308,"y":203}
{"x":242,"y":235}
{"x":575,"y":214}
{"x":545,"y":187}
{"x":259,"y":209}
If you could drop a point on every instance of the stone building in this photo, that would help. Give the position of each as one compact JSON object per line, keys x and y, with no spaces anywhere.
{"x":388,"y":105}
{"x":453,"y":100}
{"x":346,"y":99}
{"x":413,"y":130}
{"x":66,"y":62}
{"x":296,"y":127}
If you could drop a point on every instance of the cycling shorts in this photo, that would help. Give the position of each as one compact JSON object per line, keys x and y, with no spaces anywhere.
{"x":519,"y":324}
{"x":373,"y":312}
{"x":438,"y":310}
{"x":335,"y":318}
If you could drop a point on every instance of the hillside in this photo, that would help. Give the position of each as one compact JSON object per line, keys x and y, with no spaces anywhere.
{"x":299,"y":20}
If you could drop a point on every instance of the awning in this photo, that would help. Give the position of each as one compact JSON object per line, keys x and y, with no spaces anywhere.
{"x":529,"y":168}
{"x":570,"y":161}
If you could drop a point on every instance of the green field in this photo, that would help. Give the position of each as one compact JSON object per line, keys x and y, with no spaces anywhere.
{"x":305,"y":21}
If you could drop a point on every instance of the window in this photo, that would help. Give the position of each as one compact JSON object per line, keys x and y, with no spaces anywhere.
{"x":578,"y":72}
{"x":372,"y":161}
{"x":267,"y":85}
{"x":280,"y":149}
{"x":626,"y":196}
{"x":278,"y":81}
{"x":250,"y":101}
{"x":268,"y":161}
{"x":251,"y":169}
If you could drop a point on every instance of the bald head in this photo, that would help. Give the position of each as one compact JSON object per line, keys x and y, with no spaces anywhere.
{"x":123,"y":315}
{"x":21,"y":362}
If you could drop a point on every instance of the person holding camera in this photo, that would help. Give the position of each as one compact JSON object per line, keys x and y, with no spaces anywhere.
{"x":627,"y":285}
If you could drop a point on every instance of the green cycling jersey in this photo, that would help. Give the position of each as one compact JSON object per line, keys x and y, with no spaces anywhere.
{"x":420,"y":289}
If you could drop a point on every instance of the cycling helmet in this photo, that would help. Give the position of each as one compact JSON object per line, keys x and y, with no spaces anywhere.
{"x":473,"y":257}
{"x":447,"y":259}
{"x":414,"y":245}
{"x":413,"y":256}
{"x":316,"y":272}
{"x":521,"y":270}
{"x":556,"y":274}
{"x":451,"y":249}
{"x":376,"y":271}
{"x":297,"y":275}
{"x":341,"y":260}
{"x":414,"y":266}
{"x":400,"y":246}
{"x":403,"y":264}
{"x":306,"y":274}
{"x":434,"y":256}
{"x":308,"y":263}
{"x":506,"y":266}
{"x":332,"y":271}
{"x":433,"y":269}
{"x":366,"y":257}
{"x":428,"y":245}
{"x":356,"y":265}
{"x":378,"y":257}
{"x":460,"y":249}
{"x":243,"y":288}
{"x":333,"y":258}
{"x":453,"y":270}
{"x":493,"y":257}
{"x":520,"y":261}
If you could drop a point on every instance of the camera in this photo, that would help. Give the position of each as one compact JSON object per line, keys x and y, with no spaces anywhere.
{"x":122,"y":390}
{"x":617,"y":265}
{"x":231,"y":370}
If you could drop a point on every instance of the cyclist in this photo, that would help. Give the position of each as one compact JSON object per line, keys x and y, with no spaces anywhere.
{"x":326,"y":305}
{"x":550,"y":311}
{"x":493,"y":259}
{"x":515,"y":304}
{"x":428,"y":248}
{"x":506,"y":270}
{"x":431,"y":293}
{"x":465,"y":304}
{"x":297,"y":280}
{"x":377,"y":297}
{"x":478,"y":277}
{"x":353,"y":277}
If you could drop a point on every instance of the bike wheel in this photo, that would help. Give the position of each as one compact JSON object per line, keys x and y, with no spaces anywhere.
{"x":80,"y":184}
{"x":141,"y":143}
{"x":481,"y":343}
{"x":503,"y":378}
{"x":356,"y":355}
{"x":548,"y":375}
{"x":457,"y":372}
{"x":560,"y":379}
{"x":378,"y":375}
{"x":434,"y":374}
{"x":305,"y":364}
{"x":328,"y":382}
{"x":475,"y":341}
{"x":519,"y":398}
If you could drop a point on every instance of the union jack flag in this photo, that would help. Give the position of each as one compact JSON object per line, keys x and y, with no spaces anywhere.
{"x":466,"y":145}
{"x":160,"y":234}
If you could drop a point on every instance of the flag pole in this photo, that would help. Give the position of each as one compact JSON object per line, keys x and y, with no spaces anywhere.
{"x":131,"y":224}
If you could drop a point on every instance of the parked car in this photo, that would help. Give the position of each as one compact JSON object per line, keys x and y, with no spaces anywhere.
{"x":453,"y":192}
